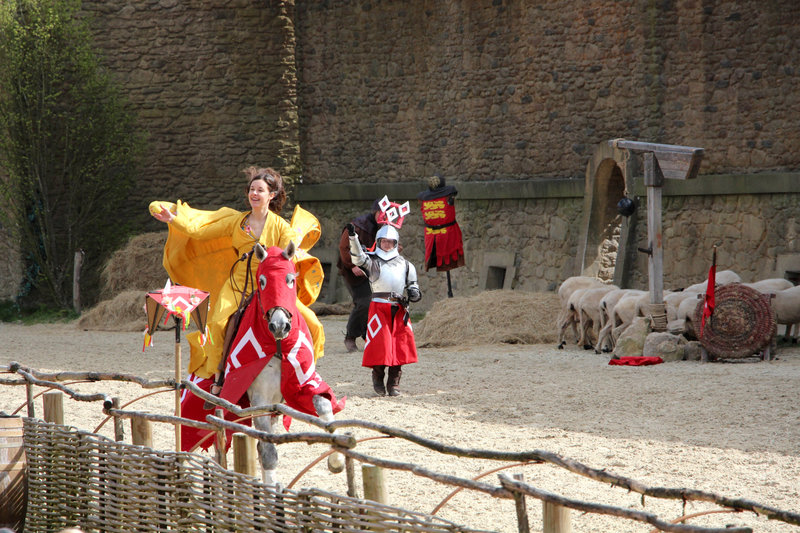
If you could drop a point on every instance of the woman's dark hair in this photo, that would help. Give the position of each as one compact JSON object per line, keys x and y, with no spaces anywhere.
{"x":274,"y":182}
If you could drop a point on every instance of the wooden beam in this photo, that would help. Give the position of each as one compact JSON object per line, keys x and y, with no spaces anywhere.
{"x":676,"y":162}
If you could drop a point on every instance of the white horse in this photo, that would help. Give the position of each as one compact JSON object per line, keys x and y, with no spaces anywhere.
{"x":275,"y":302}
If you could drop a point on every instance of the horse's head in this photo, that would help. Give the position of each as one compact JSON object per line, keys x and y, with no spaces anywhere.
{"x":277,"y":294}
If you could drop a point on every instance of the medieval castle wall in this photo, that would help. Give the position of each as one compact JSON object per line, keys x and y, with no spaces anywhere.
{"x":358,"y":93}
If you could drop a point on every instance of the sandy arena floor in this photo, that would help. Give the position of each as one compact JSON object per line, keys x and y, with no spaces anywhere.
{"x":728,"y":428}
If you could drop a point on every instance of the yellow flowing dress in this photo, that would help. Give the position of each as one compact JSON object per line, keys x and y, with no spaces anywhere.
{"x":203,"y":247}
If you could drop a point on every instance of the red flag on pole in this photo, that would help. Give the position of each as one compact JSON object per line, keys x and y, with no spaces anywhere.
{"x":708,"y":304}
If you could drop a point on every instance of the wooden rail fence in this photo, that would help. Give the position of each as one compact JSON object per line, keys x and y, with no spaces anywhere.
{"x":80,"y":478}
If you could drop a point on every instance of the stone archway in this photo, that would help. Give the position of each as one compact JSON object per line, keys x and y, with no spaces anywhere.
{"x":604,"y":250}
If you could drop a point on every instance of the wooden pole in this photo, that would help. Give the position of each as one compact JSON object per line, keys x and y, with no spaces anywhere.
{"x":350,"y":472}
{"x":522,"y":510}
{"x":374,"y":487}
{"x":245,"y":455}
{"x":350,"y":469}
{"x":53,"y":404}
{"x":178,"y":379}
{"x":76,"y":281}
{"x":141,"y":432}
{"x":119,"y":429}
{"x":556,"y":518}
{"x":219,"y":442}
{"x":29,"y":395}
{"x":654,"y":182}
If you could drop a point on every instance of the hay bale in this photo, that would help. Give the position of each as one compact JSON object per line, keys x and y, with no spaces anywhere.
{"x":490,"y":317}
{"x":124,"y":313}
{"x":137,"y":266}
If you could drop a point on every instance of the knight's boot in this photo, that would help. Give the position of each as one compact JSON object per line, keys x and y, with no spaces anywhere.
{"x":377,"y":379}
{"x":393,"y":381}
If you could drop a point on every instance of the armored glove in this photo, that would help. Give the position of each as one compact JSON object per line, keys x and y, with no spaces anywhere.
{"x":351,"y":229}
{"x":414,"y":294}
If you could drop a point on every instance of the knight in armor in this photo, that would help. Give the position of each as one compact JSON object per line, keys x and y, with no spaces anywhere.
{"x":393,"y":279}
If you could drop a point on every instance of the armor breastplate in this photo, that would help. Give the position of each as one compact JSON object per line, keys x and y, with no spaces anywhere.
{"x":391,"y":276}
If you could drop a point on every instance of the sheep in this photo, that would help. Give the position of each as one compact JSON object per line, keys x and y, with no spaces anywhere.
{"x":568,"y":317}
{"x":786,"y":304}
{"x":589,"y":313}
{"x":607,"y":303}
{"x":772,"y":286}
{"x":570,"y":285}
{"x":621,"y":316}
{"x":723,"y":277}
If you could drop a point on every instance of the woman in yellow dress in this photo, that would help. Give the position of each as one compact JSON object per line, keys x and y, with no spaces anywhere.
{"x":203,"y":249}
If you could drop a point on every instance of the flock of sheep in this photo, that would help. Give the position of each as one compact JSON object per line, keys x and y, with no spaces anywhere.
{"x":598,"y":312}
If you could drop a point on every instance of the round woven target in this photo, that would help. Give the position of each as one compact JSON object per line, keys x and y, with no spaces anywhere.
{"x":742,"y":325}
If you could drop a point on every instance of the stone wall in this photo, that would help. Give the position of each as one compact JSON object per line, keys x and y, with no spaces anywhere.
{"x":534,"y":233}
{"x":396,"y":91}
{"x":366,"y":91}
{"x":214,"y":86}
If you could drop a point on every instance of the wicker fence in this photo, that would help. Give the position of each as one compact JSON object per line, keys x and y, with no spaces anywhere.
{"x":80,"y":478}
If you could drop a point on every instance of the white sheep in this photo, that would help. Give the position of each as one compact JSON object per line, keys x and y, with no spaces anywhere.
{"x":620,"y":316}
{"x":568,"y":317}
{"x":589,"y":313}
{"x":786,"y":304}
{"x":723,"y":277}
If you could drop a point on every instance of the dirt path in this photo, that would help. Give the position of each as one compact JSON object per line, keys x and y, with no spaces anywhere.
{"x":733,"y":429}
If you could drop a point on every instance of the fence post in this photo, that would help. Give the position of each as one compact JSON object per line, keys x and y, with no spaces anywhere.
{"x":244,"y":454}
{"x":141,"y":432}
{"x":374,"y":487}
{"x":219,"y":442}
{"x":29,"y":396}
{"x":556,"y":518}
{"x":119,"y":429}
{"x":350,"y":469}
{"x":53,"y":404}
{"x":522,"y":509}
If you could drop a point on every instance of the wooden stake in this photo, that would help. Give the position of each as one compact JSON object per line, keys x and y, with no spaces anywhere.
{"x":119,"y":430}
{"x":53,"y":404}
{"x":245,"y":454}
{"x":220,"y":453}
{"x":141,"y":432}
{"x":76,"y":281}
{"x":374,"y":487}
{"x":556,"y":518}
{"x":522,"y":510}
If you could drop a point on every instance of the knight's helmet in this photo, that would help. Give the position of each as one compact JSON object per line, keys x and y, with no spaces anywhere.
{"x":389,"y":233}
{"x":391,"y":217}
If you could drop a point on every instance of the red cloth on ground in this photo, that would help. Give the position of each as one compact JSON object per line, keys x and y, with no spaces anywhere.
{"x":389,"y":342}
{"x":636,"y":361}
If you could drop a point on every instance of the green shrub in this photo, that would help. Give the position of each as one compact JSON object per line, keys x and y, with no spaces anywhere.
{"x":68,"y":148}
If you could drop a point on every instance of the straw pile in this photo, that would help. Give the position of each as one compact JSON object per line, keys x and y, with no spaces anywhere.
{"x":131,"y":272}
{"x":137,"y":266}
{"x":491,"y":317}
{"x":124,"y":313}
